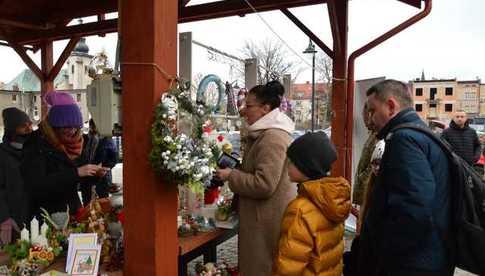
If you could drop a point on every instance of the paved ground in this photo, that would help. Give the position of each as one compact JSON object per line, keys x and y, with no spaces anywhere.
{"x":227,"y":252}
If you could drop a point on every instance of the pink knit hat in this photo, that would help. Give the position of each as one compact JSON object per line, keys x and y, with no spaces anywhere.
{"x":63,"y":110}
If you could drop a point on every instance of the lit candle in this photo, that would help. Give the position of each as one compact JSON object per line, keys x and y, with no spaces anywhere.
{"x":34,"y":230}
{"x":24,"y":234}
{"x":43,"y":229}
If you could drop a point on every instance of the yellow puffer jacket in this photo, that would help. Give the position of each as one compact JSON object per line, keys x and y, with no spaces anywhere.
{"x":312,"y":231}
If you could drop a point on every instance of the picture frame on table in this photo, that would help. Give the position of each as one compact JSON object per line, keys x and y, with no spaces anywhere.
{"x":79,"y":240}
{"x":85,"y":261}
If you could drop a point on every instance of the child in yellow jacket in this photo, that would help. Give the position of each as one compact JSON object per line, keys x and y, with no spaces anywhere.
{"x":312,"y":230}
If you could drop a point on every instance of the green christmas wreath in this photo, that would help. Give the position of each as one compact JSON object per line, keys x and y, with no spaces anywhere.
{"x":179,"y":158}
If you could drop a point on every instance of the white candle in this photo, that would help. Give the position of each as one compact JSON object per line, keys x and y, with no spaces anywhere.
{"x":43,"y":229}
{"x":24,"y":234}
{"x":34,"y":230}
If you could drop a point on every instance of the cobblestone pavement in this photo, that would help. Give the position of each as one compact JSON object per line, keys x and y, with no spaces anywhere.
{"x":227,"y":252}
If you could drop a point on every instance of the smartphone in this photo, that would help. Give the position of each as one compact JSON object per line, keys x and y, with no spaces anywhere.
{"x":227,"y":161}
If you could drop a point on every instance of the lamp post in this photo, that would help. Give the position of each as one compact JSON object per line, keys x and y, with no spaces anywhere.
{"x":311,"y":50}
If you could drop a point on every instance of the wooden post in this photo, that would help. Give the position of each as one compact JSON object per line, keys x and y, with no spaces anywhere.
{"x":338,"y":13}
{"x":47,"y":62}
{"x":149,"y":39}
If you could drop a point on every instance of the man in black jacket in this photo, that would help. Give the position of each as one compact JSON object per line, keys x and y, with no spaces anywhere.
{"x":463,"y":138}
{"x":13,"y":199}
{"x":409,"y":204}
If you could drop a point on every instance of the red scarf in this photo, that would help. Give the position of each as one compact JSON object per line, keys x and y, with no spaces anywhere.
{"x":71,"y":146}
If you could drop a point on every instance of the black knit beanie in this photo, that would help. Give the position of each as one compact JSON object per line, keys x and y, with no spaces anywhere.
{"x":313,"y":154}
{"x":13,"y":118}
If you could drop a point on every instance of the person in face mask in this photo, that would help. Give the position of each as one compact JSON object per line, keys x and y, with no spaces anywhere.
{"x":13,"y":200}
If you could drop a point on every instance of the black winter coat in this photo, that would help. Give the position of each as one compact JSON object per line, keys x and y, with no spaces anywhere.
{"x":98,"y":151}
{"x":464,"y":141}
{"x":14,"y":201}
{"x":50,"y":177}
{"x":409,"y":206}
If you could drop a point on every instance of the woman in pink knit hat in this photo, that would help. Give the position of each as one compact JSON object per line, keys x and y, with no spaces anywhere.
{"x":51,"y":169}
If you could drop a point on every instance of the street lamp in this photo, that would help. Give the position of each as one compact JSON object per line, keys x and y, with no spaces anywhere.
{"x":311,"y":50}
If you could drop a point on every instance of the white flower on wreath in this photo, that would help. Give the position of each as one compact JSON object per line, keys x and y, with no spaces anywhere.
{"x":172,"y":166}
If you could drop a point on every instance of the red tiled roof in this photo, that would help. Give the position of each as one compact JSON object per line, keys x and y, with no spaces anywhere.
{"x":303,"y":91}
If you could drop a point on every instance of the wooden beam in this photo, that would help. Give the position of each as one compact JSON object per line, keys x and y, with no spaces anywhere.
{"x":333,"y":16}
{"x":47,"y":62}
{"x":65,"y":32}
{"x":27,"y":48}
{"x":62,"y":58}
{"x":27,"y":60}
{"x":339,"y":91}
{"x":149,"y":39}
{"x":414,"y":3}
{"x":237,"y":7}
{"x":102,"y":17}
{"x":308,"y":32}
{"x":187,"y":14}
{"x":25,"y":25}
{"x":61,"y":10}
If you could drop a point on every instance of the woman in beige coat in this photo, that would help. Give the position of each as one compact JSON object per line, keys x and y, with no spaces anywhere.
{"x":262,"y":183}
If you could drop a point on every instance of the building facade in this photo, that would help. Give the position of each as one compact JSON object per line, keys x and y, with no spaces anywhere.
{"x":438,"y":99}
{"x":23,"y":91}
{"x":300,"y":97}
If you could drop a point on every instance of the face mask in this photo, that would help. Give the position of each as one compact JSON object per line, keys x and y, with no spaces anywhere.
{"x":19,"y":141}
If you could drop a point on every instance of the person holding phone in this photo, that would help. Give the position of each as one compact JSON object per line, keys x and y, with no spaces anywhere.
{"x":51,"y":169}
{"x":262,"y":183}
{"x":102,"y":151}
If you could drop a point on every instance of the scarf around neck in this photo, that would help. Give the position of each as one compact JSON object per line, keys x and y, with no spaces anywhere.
{"x":71,"y":146}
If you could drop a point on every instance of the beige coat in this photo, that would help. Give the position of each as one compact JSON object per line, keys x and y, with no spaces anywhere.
{"x":264,"y":191}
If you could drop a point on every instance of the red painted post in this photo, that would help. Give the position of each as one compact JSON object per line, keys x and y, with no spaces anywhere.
{"x":149,"y":39}
{"x":338,"y":12}
{"x":47,"y":62}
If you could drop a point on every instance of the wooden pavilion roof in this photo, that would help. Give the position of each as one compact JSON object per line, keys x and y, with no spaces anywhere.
{"x":30,"y":22}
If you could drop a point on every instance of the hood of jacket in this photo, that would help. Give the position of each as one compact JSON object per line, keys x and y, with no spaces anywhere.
{"x":331,"y":195}
{"x":273,"y":120}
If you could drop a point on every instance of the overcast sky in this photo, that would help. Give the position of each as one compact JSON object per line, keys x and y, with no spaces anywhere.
{"x":449,"y":43}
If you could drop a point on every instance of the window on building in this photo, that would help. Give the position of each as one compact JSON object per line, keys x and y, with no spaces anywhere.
{"x":419,"y":91}
{"x":449,"y":91}
{"x":448,"y":107}
{"x":36,"y":113}
{"x":432,"y":93}
{"x":432,"y":105}
{"x":72,"y":69}
{"x":35,"y":99}
{"x":419,"y":107}
{"x":14,"y":98}
{"x":78,"y":98}
{"x":85,"y":69}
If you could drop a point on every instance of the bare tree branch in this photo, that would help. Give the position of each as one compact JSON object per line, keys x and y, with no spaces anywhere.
{"x":273,"y":59}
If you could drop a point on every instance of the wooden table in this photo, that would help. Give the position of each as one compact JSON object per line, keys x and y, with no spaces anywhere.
{"x":58,"y":265}
{"x":202,"y":244}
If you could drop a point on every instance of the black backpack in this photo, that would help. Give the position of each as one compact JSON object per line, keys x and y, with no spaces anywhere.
{"x":467,"y":238}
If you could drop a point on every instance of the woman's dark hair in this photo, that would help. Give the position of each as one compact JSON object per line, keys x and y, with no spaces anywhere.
{"x":270,"y":93}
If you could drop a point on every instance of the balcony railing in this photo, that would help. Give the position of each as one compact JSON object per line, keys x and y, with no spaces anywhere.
{"x":435,"y":101}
